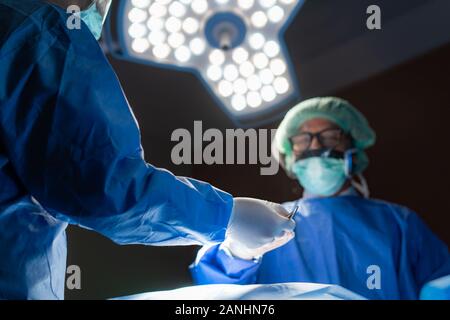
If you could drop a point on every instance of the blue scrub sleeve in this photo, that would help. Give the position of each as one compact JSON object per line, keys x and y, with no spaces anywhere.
{"x":429,"y":256}
{"x":215,"y":266}
{"x":74,"y":143}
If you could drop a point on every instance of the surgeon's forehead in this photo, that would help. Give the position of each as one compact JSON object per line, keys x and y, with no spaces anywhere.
{"x":317,"y":124}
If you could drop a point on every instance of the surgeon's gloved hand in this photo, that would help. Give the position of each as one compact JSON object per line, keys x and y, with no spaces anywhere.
{"x":257,"y":227}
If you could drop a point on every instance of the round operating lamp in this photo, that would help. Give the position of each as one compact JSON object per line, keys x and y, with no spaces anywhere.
{"x":236,"y":47}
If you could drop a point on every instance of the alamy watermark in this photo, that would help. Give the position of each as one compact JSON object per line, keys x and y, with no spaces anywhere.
{"x":73,"y":281}
{"x":374,"y":280}
{"x":236,"y":146}
{"x":373,"y":22}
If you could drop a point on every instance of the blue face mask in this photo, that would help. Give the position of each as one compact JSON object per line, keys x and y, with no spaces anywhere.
{"x":321,"y":176}
{"x":94,"y":17}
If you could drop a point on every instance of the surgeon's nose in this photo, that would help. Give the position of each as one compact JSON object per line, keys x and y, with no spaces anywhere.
{"x":315,"y":144}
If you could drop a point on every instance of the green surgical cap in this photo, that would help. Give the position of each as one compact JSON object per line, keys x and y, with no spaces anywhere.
{"x":333,"y":109}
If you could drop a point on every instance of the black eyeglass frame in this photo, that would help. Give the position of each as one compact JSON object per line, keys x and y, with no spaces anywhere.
{"x":319,"y":137}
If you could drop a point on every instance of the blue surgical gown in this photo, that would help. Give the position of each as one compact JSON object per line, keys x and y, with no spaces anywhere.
{"x":348,"y":241}
{"x":70,"y":152}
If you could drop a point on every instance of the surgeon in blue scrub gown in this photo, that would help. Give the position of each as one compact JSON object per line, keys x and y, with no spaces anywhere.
{"x":70,"y":152}
{"x":375,"y":248}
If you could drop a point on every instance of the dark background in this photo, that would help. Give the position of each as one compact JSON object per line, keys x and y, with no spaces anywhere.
{"x":407,"y":103}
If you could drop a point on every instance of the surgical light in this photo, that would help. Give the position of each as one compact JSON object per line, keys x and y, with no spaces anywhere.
{"x":245,"y":4}
{"x":267,"y":3}
{"x":257,"y":41}
{"x":234,"y":46}
{"x":246,"y":69}
{"x":197,"y":46}
{"x":259,"y":19}
{"x":216,"y":57}
{"x":240,"y":55}
{"x":275,"y":14}
{"x":214,"y":72}
{"x":161,"y":51}
{"x":190,"y":25}
{"x":231,"y":72}
{"x":238,"y":102}
{"x":254,"y":99}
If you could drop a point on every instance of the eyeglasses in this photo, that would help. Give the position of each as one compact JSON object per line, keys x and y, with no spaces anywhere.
{"x":328,"y":138}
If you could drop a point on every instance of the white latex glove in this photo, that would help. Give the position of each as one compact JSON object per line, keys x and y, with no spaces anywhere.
{"x":257,"y":227}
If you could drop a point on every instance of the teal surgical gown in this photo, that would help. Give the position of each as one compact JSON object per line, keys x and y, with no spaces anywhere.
{"x":70,"y":153}
{"x":374,"y":248}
